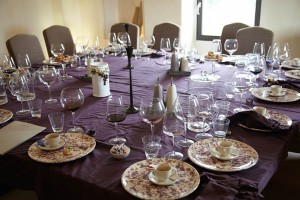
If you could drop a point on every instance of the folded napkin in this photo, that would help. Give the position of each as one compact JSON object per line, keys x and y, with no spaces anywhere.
{"x":156,"y":55}
{"x":252,"y":119}
{"x":222,"y":186}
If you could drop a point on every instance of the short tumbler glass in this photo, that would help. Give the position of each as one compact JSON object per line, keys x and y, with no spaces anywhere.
{"x":57,"y":121}
{"x":151,"y":145}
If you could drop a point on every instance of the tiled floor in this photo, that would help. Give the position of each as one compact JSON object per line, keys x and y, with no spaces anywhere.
{"x":19,"y":195}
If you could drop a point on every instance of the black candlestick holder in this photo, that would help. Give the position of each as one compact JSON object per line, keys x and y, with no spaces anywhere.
{"x":131,"y":109}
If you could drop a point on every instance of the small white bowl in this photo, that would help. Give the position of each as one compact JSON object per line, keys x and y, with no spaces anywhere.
{"x":120,"y":151}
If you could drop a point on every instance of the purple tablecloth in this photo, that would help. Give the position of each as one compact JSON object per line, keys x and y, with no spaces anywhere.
{"x":98,"y":175}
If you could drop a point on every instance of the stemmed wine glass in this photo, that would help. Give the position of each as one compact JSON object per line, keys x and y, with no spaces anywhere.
{"x":152,"y":111}
{"x":47,"y":75}
{"x":165,"y":46}
{"x":115,"y":112}
{"x":72,"y":99}
{"x":57,"y":49}
{"x":149,"y":43}
{"x":24,"y":62}
{"x":254,"y":65}
{"x":259,"y":48}
{"x":21,"y":86}
{"x":124,"y":40}
{"x":216,"y":46}
{"x":172,"y":126}
{"x":185,"y":110}
{"x":9,"y":66}
{"x":94,"y":46}
{"x":242,"y":83}
{"x":231,"y":46}
{"x":112,"y":39}
{"x":176,"y":44}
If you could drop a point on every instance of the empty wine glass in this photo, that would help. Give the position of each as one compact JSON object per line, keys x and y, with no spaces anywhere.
{"x":231,"y":46}
{"x":176,"y":44}
{"x":259,"y":48}
{"x":149,"y":42}
{"x":185,"y":110}
{"x":165,"y":46}
{"x":72,"y":99}
{"x":172,"y":126}
{"x":57,"y":49}
{"x":152,"y":111}
{"x":115,"y":113}
{"x":47,"y":75}
{"x":24,"y":62}
{"x":216,"y":46}
{"x":21,"y":86}
{"x":242,"y":83}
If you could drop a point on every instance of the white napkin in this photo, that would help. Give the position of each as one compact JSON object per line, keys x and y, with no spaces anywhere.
{"x":16,"y":133}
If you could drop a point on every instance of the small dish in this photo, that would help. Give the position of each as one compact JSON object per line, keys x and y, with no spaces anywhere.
{"x":42,"y":144}
{"x":170,"y":181}
{"x":276,"y":95}
{"x":120,"y":151}
{"x":234,"y":153}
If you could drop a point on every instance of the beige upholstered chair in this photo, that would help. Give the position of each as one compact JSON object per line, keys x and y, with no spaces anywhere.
{"x":248,"y":36}
{"x":229,"y":32}
{"x":22,"y":44}
{"x":59,"y":34}
{"x":165,"y":30}
{"x":133,"y":31}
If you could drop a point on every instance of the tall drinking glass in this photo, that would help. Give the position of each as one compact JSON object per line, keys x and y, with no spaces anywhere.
{"x":185,"y":110}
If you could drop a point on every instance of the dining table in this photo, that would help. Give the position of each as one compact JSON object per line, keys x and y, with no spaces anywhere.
{"x":98,"y":175}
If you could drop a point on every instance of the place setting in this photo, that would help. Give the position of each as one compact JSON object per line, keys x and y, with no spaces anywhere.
{"x":276,"y":93}
{"x":295,"y":74}
{"x":223,"y":155}
{"x":5,"y":115}
{"x":157,"y":177}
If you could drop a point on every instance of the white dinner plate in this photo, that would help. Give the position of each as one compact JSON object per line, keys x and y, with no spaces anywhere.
{"x":290,"y":65}
{"x":200,"y":154}
{"x":48,"y":62}
{"x":145,"y":53}
{"x":293,"y":74}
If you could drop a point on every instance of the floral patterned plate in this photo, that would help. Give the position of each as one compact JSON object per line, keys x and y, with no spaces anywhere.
{"x":293,"y":74}
{"x":5,"y":115}
{"x":135,"y":180}
{"x":78,"y":145}
{"x":200,"y":154}
{"x":263,"y":94}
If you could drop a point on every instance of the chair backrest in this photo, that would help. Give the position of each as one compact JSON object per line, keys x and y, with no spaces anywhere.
{"x":229,"y":32}
{"x":165,"y":30}
{"x":59,"y":34}
{"x":133,"y":31}
{"x":22,"y":44}
{"x":248,"y":36}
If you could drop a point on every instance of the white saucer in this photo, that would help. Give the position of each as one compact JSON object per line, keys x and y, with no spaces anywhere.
{"x":231,"y":156}
{"x":170,"y":181}
{"x":48,"y":148}
{"x":277,"y":95}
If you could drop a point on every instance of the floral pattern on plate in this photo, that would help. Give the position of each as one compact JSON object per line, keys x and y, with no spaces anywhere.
{"x":79,"y":145}
{"x":135,"y":180}
{"x":200,"y":154}
{"x":5,"y":115}
{"x":263,"y":94}
{"x":293,"y":74}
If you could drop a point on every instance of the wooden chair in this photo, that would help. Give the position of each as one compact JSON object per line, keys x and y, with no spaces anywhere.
{"x":165,"y":30}
{"x":59,"y":34}
{"x":133,"y":31}
{"x":229,"y":32}
{"x":22,"y":44}
{"x":248,"y":36}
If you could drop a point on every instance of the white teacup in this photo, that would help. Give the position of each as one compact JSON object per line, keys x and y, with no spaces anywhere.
{"x":53,"y":139}
{"x":163,"y":171}
{"x":224,"y":147}
{"x":276,"y":89}
{"x":261,"y":110}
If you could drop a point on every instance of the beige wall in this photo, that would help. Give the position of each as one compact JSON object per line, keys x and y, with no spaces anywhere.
{"x":94,"y":17}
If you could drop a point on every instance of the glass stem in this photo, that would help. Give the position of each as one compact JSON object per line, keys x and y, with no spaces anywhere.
{"x":117,"y":128}
{"x":49,"y":89}
{"x":22,"y":105}
{"x":73,"y":116}
{"x":185,"y":127}
{"x":152,"y":130}
{"x":241,"y":100}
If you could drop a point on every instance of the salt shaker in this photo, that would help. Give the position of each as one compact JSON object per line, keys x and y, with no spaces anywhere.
{"x":184,"y":66}
{"x":158,"y":90}
{"x":174,"y":63}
